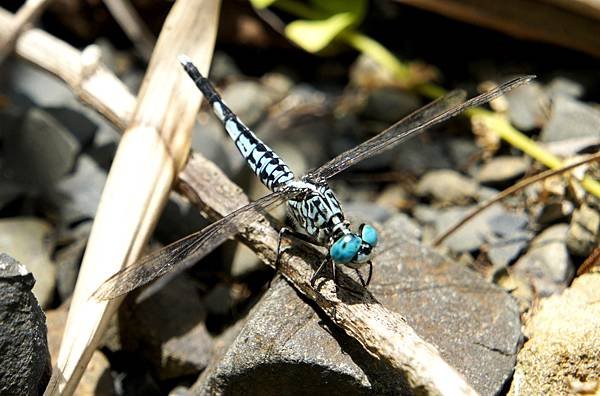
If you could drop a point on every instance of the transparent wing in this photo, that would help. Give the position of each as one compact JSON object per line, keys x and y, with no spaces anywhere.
{"x":437,"y":111}
{"x":186,"y":250}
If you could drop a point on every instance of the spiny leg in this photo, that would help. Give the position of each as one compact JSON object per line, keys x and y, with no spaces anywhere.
{"x":362,"y":281}
{"x":313,"y":278}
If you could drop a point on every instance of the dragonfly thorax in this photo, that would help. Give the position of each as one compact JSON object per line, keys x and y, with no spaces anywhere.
{"x":319,"y":213}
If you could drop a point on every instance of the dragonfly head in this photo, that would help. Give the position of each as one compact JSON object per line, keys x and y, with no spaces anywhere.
{"x":354,"y":249}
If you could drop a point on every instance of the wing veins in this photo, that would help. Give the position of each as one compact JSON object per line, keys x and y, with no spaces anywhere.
{"x":186,"y":250}
{"x":435,"y":112}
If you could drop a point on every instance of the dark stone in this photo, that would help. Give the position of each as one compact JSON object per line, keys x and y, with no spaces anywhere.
{"x":24,"y":356}
{"x":390,"y":105}
{"x":77,"y":195}
{"x":168,"y":329}
{"x":80,"y":126}
{"x":40,"y":152}
{"x":286,"y":347}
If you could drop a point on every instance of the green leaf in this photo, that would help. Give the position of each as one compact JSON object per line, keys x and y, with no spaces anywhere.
{"x":313,"y":36}
{"x":332,"y":7}
{"x":262,"y":3}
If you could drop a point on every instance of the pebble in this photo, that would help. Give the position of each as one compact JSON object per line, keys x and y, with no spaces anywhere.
{"x":40,"y":151}
{"x":564,"y":87}
{"x":584,"y":231}
{"x":78,"y":194}
{"x":502,"y":169}
{"x":248,"y":99}
{"x":547,"y":263}
{"x":25,"y":359}
{"x":294,"y":350}
{"x":168,"y":329}
{"x":389,"y":105}
{"x":472,"y":235}
{"x":68,"y":259}
{"x":563,"y":337}
{"x":446,"y":186}
{"x":571,"y":119}
{"x":28,"y":240}
{"x":526,"y":110}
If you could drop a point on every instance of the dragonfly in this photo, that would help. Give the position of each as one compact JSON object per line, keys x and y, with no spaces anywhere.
{"x":313,"y":206}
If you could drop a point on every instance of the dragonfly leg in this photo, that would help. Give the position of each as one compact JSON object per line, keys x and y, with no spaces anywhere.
{"x":313,"y":278}
{"x":362,"y":281}
{"x":285,"y":231}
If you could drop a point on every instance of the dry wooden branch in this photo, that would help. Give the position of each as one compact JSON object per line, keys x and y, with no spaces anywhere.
{"x":383,"y":333}
{"x":152,"y":151}
{"x":133,"y":26}
{"x":570,"y":23}
{"x":26,"y":15}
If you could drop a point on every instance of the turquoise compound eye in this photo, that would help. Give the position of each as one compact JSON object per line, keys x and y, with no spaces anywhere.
{"x":345,"y":248}
{"x":369,"y":235}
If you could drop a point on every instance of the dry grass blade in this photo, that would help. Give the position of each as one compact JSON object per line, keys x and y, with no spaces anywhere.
{"x":509,"y":191}
{"x":150,"y":154}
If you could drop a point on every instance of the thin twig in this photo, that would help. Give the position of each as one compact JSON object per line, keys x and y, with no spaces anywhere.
{"x":382,"y":332}
{"x":27,"y":15}
{"x":133,"y":26}
{"x":511,"y":190}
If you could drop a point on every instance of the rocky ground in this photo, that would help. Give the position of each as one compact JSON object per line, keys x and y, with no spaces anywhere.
{"x":506,"y":299}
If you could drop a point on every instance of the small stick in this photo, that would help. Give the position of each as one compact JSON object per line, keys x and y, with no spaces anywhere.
{"x":133,"y":26}
{"x":27,"y":15}
{"x":511,"y":190}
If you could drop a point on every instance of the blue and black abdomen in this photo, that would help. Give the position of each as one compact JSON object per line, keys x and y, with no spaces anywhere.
{"x":270,"y":169}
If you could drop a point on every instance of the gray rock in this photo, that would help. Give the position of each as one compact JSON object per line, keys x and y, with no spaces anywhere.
{"x":78,"y":124}
{"x":547,"y":263}
{"x":25,"y":359}
{"x":495,"y":226}
{"x":28,"y":240}
{"x":447,"y":186}
{"x":69,"y":259}
{"x":571,"y":119}
{"x":40,"y":152}
{"x":77,"y":195}
{"x":562,"y":349}
{"x":168,"y":329}
{"x":418,"y":156}
{"x":525,"y":106}
{"x":43,"y":88}
{"x":584,"y":231}
{"x":223,"y":66}
{"x":366,"y":212}
{"x":502,"y":169}
{"x":248,"y":99}
{"x":390,"y":105}
{"x":565,"y":87}
{"x":570,"y":147}
{"x":288,"y":348}
{"x":504,"y":251}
